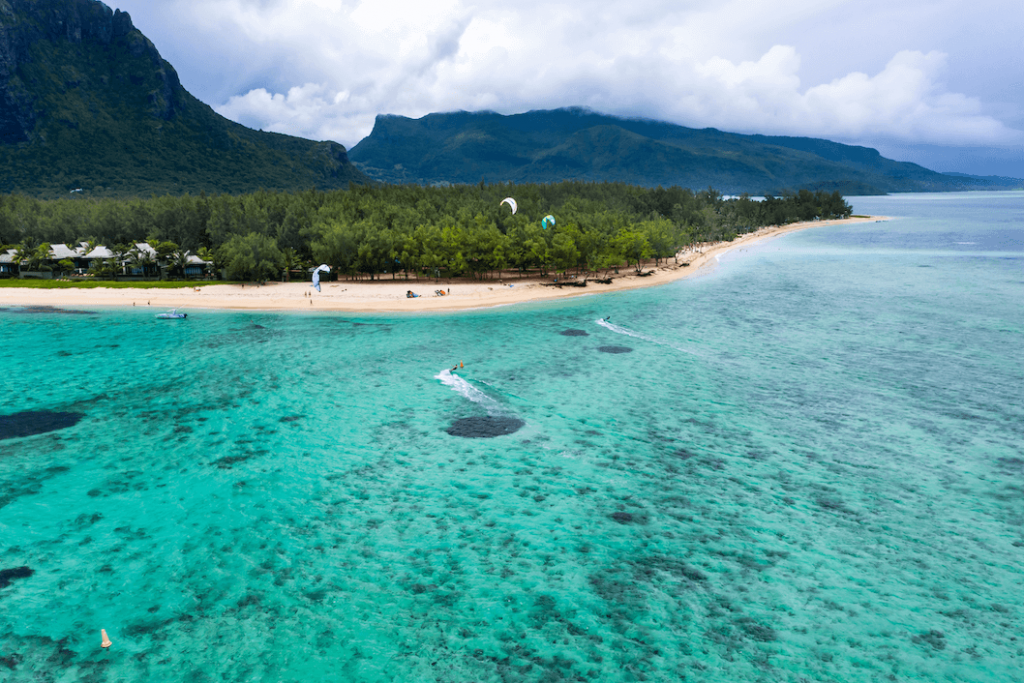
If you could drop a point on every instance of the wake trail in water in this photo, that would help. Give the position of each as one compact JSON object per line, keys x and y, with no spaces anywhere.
{"x":618,"y":329}
{"x":468,"y":391}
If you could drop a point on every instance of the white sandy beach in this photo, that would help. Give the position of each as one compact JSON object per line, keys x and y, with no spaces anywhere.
{"x":387,"y":295}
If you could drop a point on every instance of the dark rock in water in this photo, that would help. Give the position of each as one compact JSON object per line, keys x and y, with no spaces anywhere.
{"x":39,"y":310}
{"x":33,"y":422}
{"x":936,"y":639}
{"x":630,"y":518}
{"x":1012,"y":463}
{"x":17,"y":573}
{"x":756,"y":631}
{"x":574,"y":333}
{"x":64,"y":655}
{"x":692,"y":573}
{"x":614,"y":349}
{"x":13,"y":661}
{"x":485,"y":427}
{"x":229,"y":461}
{"x":290,"y":418}
{"x":250,"y":600}
{"x":419,"y":588}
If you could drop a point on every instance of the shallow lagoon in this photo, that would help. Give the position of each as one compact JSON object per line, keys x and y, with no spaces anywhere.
{"x":809,"y":467}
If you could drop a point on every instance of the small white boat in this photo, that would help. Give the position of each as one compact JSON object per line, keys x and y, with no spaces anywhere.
{"x":172,"y":315}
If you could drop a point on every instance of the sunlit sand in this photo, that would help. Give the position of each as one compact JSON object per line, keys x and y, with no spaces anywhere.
{"x":390,"y":295}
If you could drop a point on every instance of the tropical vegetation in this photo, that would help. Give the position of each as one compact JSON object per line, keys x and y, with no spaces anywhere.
{"x":410,"y":231}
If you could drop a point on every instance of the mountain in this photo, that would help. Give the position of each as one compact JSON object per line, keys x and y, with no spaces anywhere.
{"x":87,"y":102}
{"x":574,"y":143}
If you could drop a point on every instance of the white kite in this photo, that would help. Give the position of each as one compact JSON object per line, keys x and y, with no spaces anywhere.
{"x":316,"y":275}
{"x":511,"y":202}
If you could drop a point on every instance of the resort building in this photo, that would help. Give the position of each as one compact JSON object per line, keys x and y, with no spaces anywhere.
{"x":142,"y":261}
{"x":8,"y":266}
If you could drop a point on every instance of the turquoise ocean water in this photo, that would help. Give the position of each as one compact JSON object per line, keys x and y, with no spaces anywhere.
{"x":808,"y":467}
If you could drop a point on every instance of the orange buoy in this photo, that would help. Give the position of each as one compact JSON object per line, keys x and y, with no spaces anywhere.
{"x":106,"y":641}
{"x":461,"y":365}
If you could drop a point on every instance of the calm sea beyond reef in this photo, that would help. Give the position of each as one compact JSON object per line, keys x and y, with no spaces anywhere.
{"x":807,"y":465}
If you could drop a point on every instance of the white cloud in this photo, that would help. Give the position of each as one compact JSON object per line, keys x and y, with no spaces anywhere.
{"x":324,"y":68}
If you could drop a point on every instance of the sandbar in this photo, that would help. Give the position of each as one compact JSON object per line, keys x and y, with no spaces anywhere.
{"x":387,"y":295}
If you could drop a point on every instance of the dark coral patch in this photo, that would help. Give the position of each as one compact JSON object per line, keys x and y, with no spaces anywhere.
{"x":574,"y":333}
{"x":936,"y":639}
{"x":14,"y":660}
{"x":17,"y":573}
{"x":485,"y":427}
{"x":614,"y":349}
{"x":229,"y":461}
{"x":40,"y":310}
{"x":33,"y":422}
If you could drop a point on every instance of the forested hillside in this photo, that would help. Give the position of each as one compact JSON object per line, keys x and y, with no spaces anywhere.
{"x":413,"y":231}
{"x":86,"y":102}
{"x":573,"y":143}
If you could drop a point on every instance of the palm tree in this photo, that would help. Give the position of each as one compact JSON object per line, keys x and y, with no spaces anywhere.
{"x":210,"y":257}
{"x":38,"y":256}
{"x":86,"y":246}
{"x":121,"y":253}
{"x":292,"y":261}
{"x":21,"y":253}
{"x":179,"y":261}
{"x":142,"y":259}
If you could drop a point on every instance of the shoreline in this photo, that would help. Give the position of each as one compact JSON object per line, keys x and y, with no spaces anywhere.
{"x":387,"y":296}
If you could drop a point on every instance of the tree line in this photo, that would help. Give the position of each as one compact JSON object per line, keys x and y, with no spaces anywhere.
{"x":412,"y":231}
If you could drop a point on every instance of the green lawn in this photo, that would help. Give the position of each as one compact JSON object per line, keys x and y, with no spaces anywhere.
{"x":109,"y":284}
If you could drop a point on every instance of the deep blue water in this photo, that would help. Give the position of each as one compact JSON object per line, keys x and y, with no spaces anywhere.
{"x":808,"y":467}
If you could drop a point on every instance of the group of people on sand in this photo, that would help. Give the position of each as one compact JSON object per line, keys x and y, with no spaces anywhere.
{"x":409,"y":294}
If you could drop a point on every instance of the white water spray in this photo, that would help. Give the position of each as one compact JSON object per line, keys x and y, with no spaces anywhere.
{"x":618,"y":329}
{"x":468,"y":391}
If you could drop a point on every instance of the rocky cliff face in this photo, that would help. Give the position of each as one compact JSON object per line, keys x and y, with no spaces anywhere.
{"x":25,"y":25}
{"x":87,"y":101}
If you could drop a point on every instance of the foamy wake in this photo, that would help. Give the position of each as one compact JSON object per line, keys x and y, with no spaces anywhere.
{"x":618,"y":329}
{"x":467,"y":390}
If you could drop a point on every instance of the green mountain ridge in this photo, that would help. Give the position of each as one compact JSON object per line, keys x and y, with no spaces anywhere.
{"x":87,"y":102}
{"x":578,"y":144}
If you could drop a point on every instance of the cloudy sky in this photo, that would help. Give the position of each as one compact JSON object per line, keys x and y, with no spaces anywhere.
{"x":939,"y":82}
